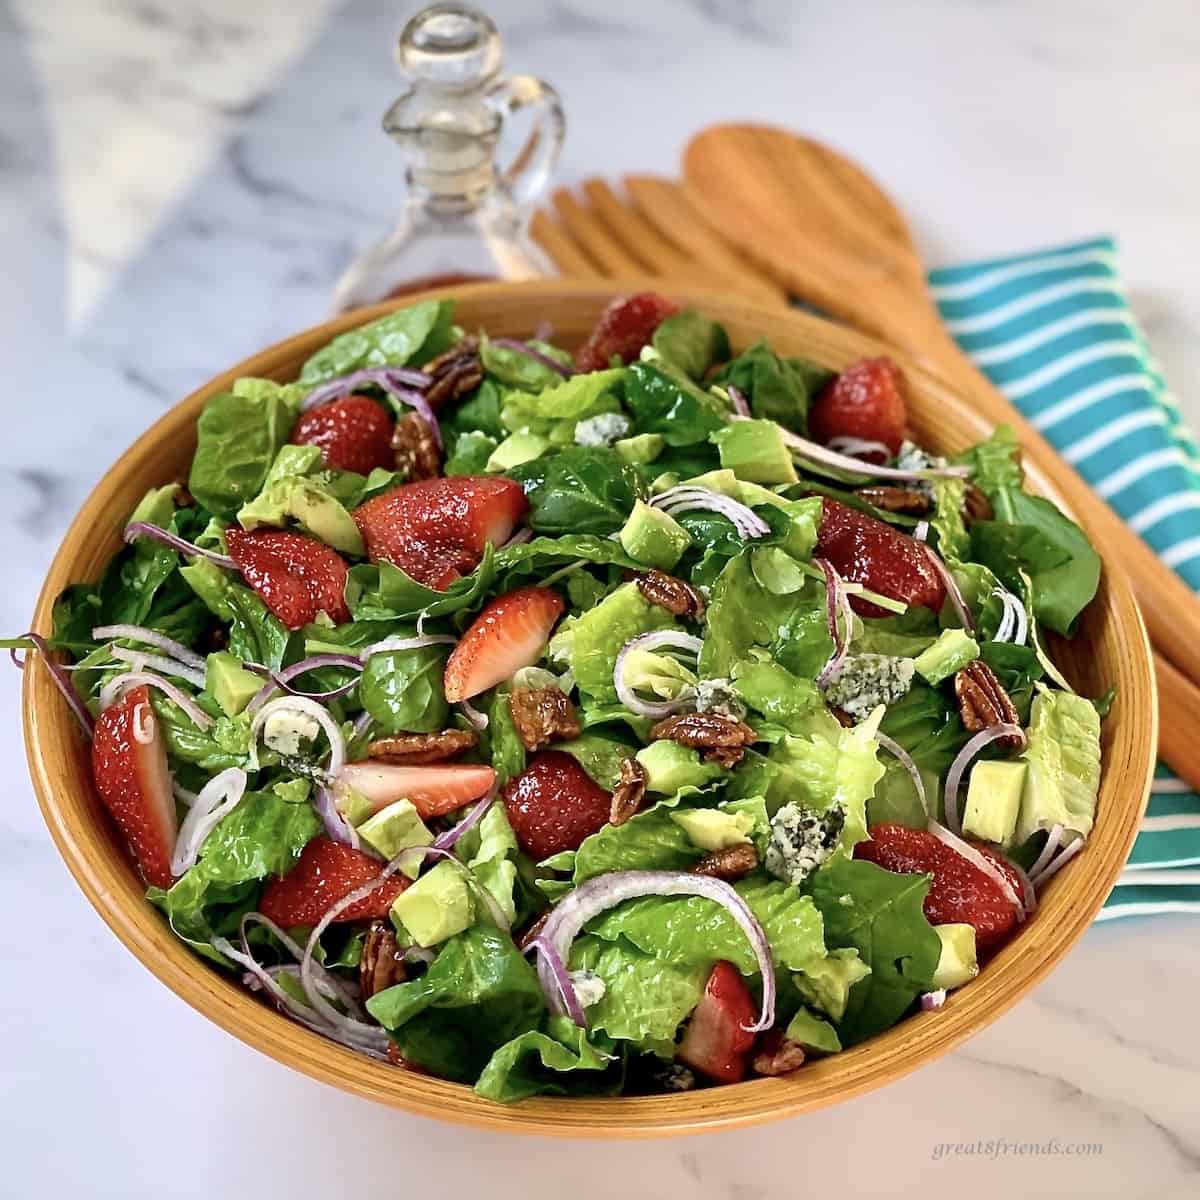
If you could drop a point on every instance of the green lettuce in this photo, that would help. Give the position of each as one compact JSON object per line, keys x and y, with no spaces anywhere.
{"x":403,"y":692}
{"x":995,"y":463}
{"x":582,"y":489}
{"x":515,"y":369}
{"x":779,"y":389}
{"x":664,"y":400}
{"x":383,"y":592}
{"x":564,"y":1060}
{"x":255,"y":633}
{"x":691,"y":343}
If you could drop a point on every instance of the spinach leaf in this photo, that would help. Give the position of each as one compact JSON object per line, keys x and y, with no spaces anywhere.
{"x":516,"y":369}
{"x":478,"y":413}
{"x":500,"y":741}
{"x":779,"y":389}
{"x":927,"y":725}
{"x":408,"y":335}
{"x":582,"y":489}
{"x":541,"y":553}
{"x":383,"y":592}
{"x":691,"y":343}
{"x":663,"y":400}
{"x":470,"y":454}
{"x":255,"y":633}
{"x":225,"y":744}
{"x":402,"y":690}
{"x":996,"y":463}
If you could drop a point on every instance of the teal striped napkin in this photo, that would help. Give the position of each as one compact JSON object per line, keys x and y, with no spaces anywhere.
{"x":1054,"y":331}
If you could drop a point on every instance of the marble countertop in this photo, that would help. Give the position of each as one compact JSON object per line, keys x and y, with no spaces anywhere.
{"x":180,"y":183}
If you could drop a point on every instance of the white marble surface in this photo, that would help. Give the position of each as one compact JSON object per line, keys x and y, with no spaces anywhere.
{"x":180,"y":182}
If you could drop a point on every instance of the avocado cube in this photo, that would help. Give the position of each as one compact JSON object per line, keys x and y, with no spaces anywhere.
{"x":755,"y":451}
{"x":711,"y":829}
{"x":815,"y":1035}
{"x":653,"y":537}
{"x":516,"y":449}
{"x":670,"y":766}
{"x":229,"y":683}
{"x":436,"y":907}
{"x":394,"y":828}
{"x":640,"y":449}
{"x":957,"y":963}
{"x":994,"y":800}
{"x":951,"y":652}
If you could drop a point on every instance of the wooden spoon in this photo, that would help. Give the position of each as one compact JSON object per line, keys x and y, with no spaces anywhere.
{"x":815,"y":221}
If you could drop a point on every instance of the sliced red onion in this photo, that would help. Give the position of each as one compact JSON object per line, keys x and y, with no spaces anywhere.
{"x":598,"y":895}
{"x":361,"y":724}
{"x":921,"y":531}
{"x":649,"y":641}
{"x":906,"y":761}
{"x":815,"y":455}
{"x":836,"y":605}
{"x":336,"y":826}
{"x":932,"y":1001}
{"x":391,"y":644}
{"x":519,"y":538}
{"x":116,"y":687}
{"x":737,"y":398}
{"x":1043,"y":860}
{"x":964,"y":758}
{"x":143,"y":724}
{"x":856,"y":447}
{"x":1008,"y":621}
{"x":217,"y":798}
{"x":149,"y":637}
{"x":144,"y":529}
{"x":182,"y":795}
{"x":392,"y":380}
{"x":281,"y":680}
{"x":1064,"y":857}
{"x":62,"y":681}
{"x":1052,"y":672}
{"x":690,"y":497}
{"x":477,"y":719}
{"x":981,"y":862}
{"x":952,"y":590}
{"x":140,"y":661}
{"x":1028,"y":893}
{"x":564,"y":985}
{"x":333,"y":731}
{"x":447,"y":840}
{"x":545,"y":359}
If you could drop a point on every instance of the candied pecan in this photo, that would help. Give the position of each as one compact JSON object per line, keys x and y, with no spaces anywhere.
{"x":777,"y":1054}
{"x":381,"y":964}
{"x":417,"y":452}
{"x":542,"y":716}
{"x":723,"y":739}
{"x":976,"y":505}
{"x":680,"y":599}
{"x":455,"y":372}
{"x":630,"y":791}
{"x":416,"y":748}
{"x":897,"y":500}
{"x":844,"y":719}
{"x":214,"y":638}
{"x":731,"y":863}
{"x":983,"y":702}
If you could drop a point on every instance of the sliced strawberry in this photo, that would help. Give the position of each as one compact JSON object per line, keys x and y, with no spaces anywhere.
{"x":717,"y":1041}
{"x":510,"y":633}
{"x":865,"y":401}
{"x":432,"y":791}
{"x":959,"y":892}
{"x":129,"y":765}
{"x":436,"y":530}
{"x":554,"y":804}
{"x":624,"y":327}
{"x":296,"y":576}
{"x":354,"y":434}
{"x":325,"y":873}
{"x":870,"y":551}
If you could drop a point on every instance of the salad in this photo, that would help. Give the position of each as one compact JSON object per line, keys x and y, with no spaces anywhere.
{"x":634,"y":721}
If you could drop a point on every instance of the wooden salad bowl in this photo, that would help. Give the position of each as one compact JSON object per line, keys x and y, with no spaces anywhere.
{"x":1110,"y":649}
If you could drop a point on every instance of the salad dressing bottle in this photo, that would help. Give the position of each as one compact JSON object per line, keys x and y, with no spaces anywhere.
{"x":466,"y":215}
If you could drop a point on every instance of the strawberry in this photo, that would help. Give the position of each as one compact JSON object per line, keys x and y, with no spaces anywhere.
{"x":129,"y":765}
{"x":865,"y":401}
{"x":437,"y":529}
{"x":432,"y":790}
{"x":354,"y":434}
{"x":554,"y":804}
{"x":325,"y":873}
{"x":296,"y":576}
{"x":624,"y":327}
{"x":716,"y":1041}
{"x":510,"y":633}
{"x":870,"y":551}
{"x":959,"y":892}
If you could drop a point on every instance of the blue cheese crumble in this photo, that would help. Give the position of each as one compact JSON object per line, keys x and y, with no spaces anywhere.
{"x":718,"y":696}
{"x":285,"y":729}
{"x":868,"y":680}
{"x":602,"y":430}
{"x":589,"y":988}
{"x":801,"y":840}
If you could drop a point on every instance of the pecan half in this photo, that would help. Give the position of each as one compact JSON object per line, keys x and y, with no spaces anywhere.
{"x":417,"y":453}
{"x":629,"y":793}
{"x":381,"y":964}
{"x":677,"y":597}
{"x":728,"y":864}
{"x":418,"y":748}
{"x":455,"y":372}
{"x":542,"y":716}
{"x":897,"y":500}
{"x":723,"y":739}
{"x":777,"y":1054}
{"x":983,"y":702}
{"x":976,"y":506}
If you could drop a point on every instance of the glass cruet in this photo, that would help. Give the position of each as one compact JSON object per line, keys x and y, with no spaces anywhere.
{"x":466,"y":215}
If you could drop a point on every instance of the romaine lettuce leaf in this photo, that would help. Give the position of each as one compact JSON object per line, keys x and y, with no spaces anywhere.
{"x":996,"y":463}
{"x":516,"y":369}
{"x":564,"y":1060}
{"x":691,"y":343}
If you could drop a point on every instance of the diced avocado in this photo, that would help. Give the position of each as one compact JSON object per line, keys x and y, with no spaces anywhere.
{"x":826,"y":982}
{"x":670,"y":766}
{"x":957,"y":963}
{"x":354,"y":806}
{"x":711,"y":829}
{"x":653,"y":537}
{"x":994,"y":800}
{"x":517,"y":448}
{"x":229,"y":683}
{"x":755,"y":451}
{"x":396,"y":828}
{"x":728,"y":484}
{"x":436,"y":907}
{"x":310,"y":506}
{"x":660,"y":483}
{"x":951,"y":652}
{"x":815,"y":1035}
{"x":156,"y":507}
{"x":642,"y":448}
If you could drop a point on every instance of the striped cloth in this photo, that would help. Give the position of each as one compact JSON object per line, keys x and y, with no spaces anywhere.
{"x":1054,"y":331}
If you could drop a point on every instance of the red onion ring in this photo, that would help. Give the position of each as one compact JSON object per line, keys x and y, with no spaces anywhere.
{"x":478,"y":720}
{"x":518,"y":539}
{"x":149,"y":637}
{"x":689,"y":497}
{"x":906,"y":761}
{"x":116,"y":687}
{"x":140,"y":660}
{"x":144,"y":529}
{"x":1028,"y":892}
{"x":963,"y":759}
{"x":836,"y":602}
{"x":648,"y":641}
{"x":932,"y":1001}
{"x":391,"y":644}
{"x":336,"y":826}
{"x":856,"y":447}
{"x":1064,"y":857}
{"x":921,"y":531}
{"x":61,"y":680}
{"x":331,"y":729}
{"x":281,"y":680}
{"x":980,"y":862}
{"x":218,"y":797}
{"x":821,"y":456}
{"x":1043,"y":860}
{"x":447,"y":840}
{"x":564,"y":985}
{"x":524,"y":348}
{"x":737,"y":397}
{"x":952,"y":589}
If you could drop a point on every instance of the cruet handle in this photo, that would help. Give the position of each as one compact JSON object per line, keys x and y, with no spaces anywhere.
{"x":525,"y":177}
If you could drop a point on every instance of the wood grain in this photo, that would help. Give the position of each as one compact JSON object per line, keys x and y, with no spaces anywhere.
{"x":1111,"y":649}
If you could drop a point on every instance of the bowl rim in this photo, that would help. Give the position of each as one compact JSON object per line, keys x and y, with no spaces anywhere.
{"x":105,"y":877}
